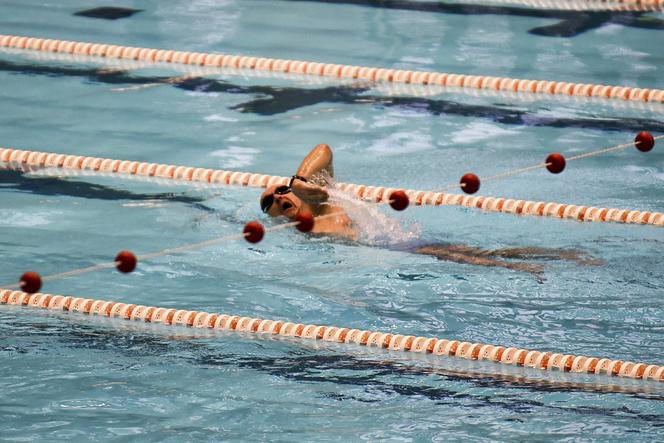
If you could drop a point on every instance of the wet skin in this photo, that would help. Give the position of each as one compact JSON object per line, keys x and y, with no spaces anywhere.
{"x":287,"y":205}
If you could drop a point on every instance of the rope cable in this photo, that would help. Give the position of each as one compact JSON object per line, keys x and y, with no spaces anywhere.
{"x":168,"y":251}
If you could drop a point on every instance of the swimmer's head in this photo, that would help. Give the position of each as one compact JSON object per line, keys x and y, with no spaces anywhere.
{"x":279,"y":200}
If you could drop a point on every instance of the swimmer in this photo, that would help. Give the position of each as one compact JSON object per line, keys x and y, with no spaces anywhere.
{"x":307,"y":190}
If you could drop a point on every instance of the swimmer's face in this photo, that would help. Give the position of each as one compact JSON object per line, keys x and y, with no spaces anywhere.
{"x":279,"y":200}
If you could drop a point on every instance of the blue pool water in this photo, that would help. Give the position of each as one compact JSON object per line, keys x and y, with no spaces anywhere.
{"x":67,"y":376}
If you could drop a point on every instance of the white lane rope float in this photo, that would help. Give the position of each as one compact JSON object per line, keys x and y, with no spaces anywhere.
{"x":470,"y":183}
{"x":385,"y":88}
{"x":581,"y":5}
{"x":343,"y":335}
{"x":335,"y":70}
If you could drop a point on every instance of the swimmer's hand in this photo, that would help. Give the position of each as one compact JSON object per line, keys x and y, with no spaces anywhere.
{"x":309,"y":192}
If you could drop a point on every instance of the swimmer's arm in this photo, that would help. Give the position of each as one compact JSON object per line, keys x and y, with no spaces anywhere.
{"x":474,"y":256}
{"x":319,"y":160}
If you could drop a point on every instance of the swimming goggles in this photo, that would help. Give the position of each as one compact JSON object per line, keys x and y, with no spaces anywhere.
{"x":268,"y":200}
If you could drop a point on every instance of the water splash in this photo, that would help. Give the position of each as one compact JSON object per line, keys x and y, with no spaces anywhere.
{"x":375,"y":228}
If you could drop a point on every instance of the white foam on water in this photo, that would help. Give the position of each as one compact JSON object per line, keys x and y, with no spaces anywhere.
{"x":199,"y":92}
{"x":219,"y":118}
{"x":24,"y":219}
{"x":235,"y":156}
{"x":478,"y":131}
{"x":417,"y":60}
{"x":374,"y":226}
{"x":398,"y":143}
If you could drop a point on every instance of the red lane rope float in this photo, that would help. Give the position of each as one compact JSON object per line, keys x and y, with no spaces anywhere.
{"x":305,"y":221}
{"x":254,"y":232}
{"x":19,"y":159}
{"x":399,"y":200}
{"x":555,"y":163}
{"x":470,"y":183}
{"x":30,"y":282}
{"x":394,"y":342}
{"x":125,"y":261}
{"x":334,"y":70}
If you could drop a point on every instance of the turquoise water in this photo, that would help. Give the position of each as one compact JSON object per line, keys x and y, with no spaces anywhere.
{"x":67,"y":376}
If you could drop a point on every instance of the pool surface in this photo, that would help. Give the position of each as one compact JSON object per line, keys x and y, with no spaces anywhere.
{"x":85,"y":378}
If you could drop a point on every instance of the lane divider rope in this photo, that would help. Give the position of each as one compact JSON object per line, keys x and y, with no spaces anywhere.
{"x":21,"y":158}
{"x":581,"y":5}
{"x":334,"y":70}
{"x":655,"y":3}
{"x":394,"y":342}
{"x":391,"y":89}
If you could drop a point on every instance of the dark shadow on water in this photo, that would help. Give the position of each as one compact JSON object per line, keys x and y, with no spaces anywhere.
{"x":570,"y":24}
{"x":108,"y":12}
{"x":275,"y":100}
{"x":377,"y":375}
{"x":53,"y":186}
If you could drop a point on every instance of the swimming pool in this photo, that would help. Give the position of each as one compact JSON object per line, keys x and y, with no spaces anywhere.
{"x":69,"y":376}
